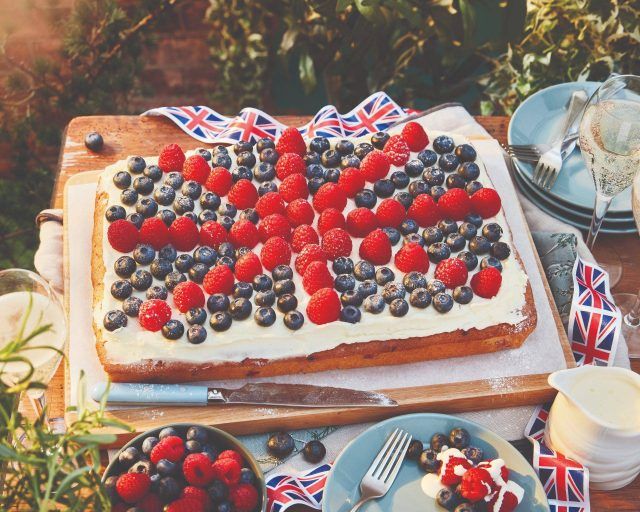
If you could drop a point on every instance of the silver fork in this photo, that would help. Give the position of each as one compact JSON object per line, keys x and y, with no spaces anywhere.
{"x":384,"y":469}
{"x":533,"y":152}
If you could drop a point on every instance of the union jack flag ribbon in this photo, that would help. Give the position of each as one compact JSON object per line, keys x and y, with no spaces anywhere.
{"x":594,"y":327}
{"x":305,"y":488}
{"x":376,"y":113}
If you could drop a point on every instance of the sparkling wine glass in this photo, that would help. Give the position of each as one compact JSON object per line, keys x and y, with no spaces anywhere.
{"x":610,"y":145}
{"x":27,"y":304}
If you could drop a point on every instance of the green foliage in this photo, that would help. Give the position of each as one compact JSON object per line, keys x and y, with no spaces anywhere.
{"x":565,"y":40}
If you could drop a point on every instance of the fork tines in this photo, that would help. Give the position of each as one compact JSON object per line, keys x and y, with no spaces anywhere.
{"x":387,"y":464}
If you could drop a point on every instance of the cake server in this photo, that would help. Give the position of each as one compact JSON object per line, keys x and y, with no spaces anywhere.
{"x":265,"y":393}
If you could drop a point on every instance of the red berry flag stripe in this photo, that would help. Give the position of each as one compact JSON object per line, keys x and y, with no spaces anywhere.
{"x":594,"y":328}
{"x":376,"y":113}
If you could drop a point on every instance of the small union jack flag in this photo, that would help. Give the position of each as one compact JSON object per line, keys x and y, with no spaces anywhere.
{"x":306,"y":488}
{"x":592,"y":285}
{"x":326,"y":123}
{"x":375,"y":114}
{"x":537,"y":423}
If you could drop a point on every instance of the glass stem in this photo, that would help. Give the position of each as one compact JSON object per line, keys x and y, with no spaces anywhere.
{"x":599,"y":211}
{"x":632,"y":318}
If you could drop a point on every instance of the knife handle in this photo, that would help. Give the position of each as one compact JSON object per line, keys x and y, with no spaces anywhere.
{"x":151,"y":394}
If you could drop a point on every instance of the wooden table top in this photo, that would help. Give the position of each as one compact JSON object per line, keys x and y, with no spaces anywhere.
{"x":75,"y":158}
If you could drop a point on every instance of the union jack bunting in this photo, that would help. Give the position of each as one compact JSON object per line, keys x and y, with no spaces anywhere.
{"x":594,"y":326}
{"x":377,"y":112}
{"x":305,"y":488}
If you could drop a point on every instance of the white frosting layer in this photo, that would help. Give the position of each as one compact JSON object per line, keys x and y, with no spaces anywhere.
{"x":246,"y":339}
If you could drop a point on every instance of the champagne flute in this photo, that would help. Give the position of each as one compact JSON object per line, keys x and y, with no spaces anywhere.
{"x":27,"y":305}
{"x":610,"y":145}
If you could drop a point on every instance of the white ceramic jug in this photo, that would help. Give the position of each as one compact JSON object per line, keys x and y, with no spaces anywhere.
{"x":595,"y":420}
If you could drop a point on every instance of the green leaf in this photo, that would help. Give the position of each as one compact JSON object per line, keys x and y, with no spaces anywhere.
{"x":307,"y":73}
{"x":342,"y":5}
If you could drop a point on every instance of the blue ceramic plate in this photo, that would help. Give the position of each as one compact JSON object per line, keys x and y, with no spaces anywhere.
{"x":342,"y":489}
{"x":537,"y":120}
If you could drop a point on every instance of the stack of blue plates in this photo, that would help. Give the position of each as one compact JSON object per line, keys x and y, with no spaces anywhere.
{"x":537,"y":121}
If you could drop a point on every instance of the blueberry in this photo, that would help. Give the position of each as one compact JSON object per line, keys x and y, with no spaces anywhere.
{"x":399,"y":307}
{"x":491,"y":261}
{"x":280,"y":444}
{"x":141,"y":280}
{"x":287,"y":302}
{"x":447,"y":498}
{"x":474,"y":219}
{"x":474,"y":454}
{"x":115,"y":212}
{"x":448,"y":162}
{"x":173,"y":329}
{"x":226,"y":222}
{"x":413,"y":238}
{"x":206,"y":216}
{"x":247,"y":476}
{"x":315,"y":171}
{"x":94,"y":142}
{"x":153,"y":172}
{"x":414,"y":280}
{"x":314,"y":451}
{"x":343,"y":265}
{"x":418,"y":187}
{"x":265,"y":316}
{"x":294,"y":320}
{"x":393,"y":234}
{"x":157,"y":292}
{"x":168,"y":252}
{"x":265,"y":298}
{"x":166,"y":216}
{"x":467,"y":230}
{"x":221,"y":150}
{"x":435,"y":286}
{"x":465,"y":152}
{"x":374,"y":304}
{"x":147,"y":207}
{"x":191,"y":189}
{"x":428,"y":157}
{"x":456,"y":242}
{"x":129,"y":456}
{"x":184,"y":262}
{"x":350,"y":314}
{"x":469,"y":259}
{"x":264,"y":172}
{"x":432,"y":235}
{"x":131,"y":306}
{"x":459,"y":438}
{"x":319,"y":145}
{"x":349,"y":161}
{"x":344,"y":282}
{"x":400,"y":179}
{"x":314,"y":184}
{"x":462,"y":294}
{"x":240,"y":308}
{"x":332,"y":175}
{"x":428,"y":461}
{"x":174,"y":180}
{"x":262,"y":282}
{"x":197,"y":272}
{"x":330,"y":158}
{"x":129,"y":197}
{"x":168,"y":489}
{"x":204,"y":153}
{"x":409,"y":226}
{"x":210,"y":451}
{"x":241,"y":173}
{"x":196,"y":316}
{"x":443,"y":144}
{"x":220,"y":321}
{"x":242,"y":290}
{"x":344,"y":147}
{"x":226,"y":249}
{"x":384,"y":275}
{"x":227,"y":210}
{"x":437,"y":192}
{"x":448,"y":226}
{"x":404,"y":198}
{"x":384,"y":188}
{"x":136,"y":164}
{"x":143,"y":185}
{"x":264,"y":143}
{"x":420,"y":298}
{"x":366,"y":198}
{"x":392,"y":291}
{"x":472,"y":187}
{"x":500,"y":250}
{"x":122,"y":180}
{"x":246,"y":159}
{"x":479,"y":245}
{"x":242,"y":146}
{"x":193,"y":446}
{"x":379,"y":139}
{"x":362,"y":150}
{"x":114,"y":319}
{"x":433,"y":176}
{"x":364,"y":270}
{"x":205,"y":254}
{"x":124,"y":266}
{"x":183,"y":204}
{"x":218,"y":491}
{"x":222,"y":160}
{"x":469,"y":171}
{"x":443,"y":302}
{"x":455,"y":181}
{"x":218,"y":302}
{"x":210,"y":201}
{"x":492,"y":232}
{"x":367,"y":288}
{"x":165,"y":467}
{"x":172,"y":279}
{"x":311,"y":158}
{"x":168,"y":431}
{"x":284,"y":286}
{"x":414,"y":449}
{"x":282,"y":272}
{"x":148,"y":444}
{"x":414,"y":168}
{"x":160,"y":268}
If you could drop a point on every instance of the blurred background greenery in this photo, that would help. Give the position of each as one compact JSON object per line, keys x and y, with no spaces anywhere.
{"x":286,"y":56}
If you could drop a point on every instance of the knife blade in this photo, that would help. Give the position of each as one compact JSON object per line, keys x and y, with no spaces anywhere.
{"x":264,"y":393}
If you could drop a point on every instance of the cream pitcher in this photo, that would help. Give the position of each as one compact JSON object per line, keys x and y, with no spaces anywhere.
{"x":595,"y":420}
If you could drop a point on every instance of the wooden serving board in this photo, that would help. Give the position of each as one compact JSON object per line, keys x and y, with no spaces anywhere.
{"x":127,"y":135}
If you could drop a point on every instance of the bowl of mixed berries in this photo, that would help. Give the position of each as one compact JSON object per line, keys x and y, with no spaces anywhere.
{"x":185,"y":468}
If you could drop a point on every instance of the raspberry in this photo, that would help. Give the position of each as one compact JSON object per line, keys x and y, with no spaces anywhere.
{"x":504,"y":471}
{"x":187,"y":295}
{"x":452,"y":272}
{"x":185,"y":505}
{"x":329,"y":219}
{"x":184,"y":234}
{"x":275,"y":251}
{"x":244,"y":497}
{"x":415,"y":136}
{"x":508,"y":502}
{"x":232,"y":454}
{"x":269,"y":204}
{"x":170,"y":448}
{"x":171,"y":158}
{"x":486,"y":283}
{"x":486,"y":202}
{"x":123,"y":236}
{"x":150,"y":503}
{"x":294,"y":187}
{"x":336,"y":242}
{"x":289,"y":164}
{"x":351,"y":181}
{"x":476,"y":484}
{"x":397,"y":150}
{"x":275,"y":224}
{"x":219,"y":181}
{"x":424,"y":210}
{"x":247,"y":267}
{"x":361,"y":222}
{"x":455,"y":204}
{"x":153,"y":314}
{"x":291,"y":141}
{"x":375,"y":165}
{"x":449,"y":474}
{"x":212,"y":234}
{"x":390,"y":213}
{"x":329,"y":195}
{"x":244,"y":233}
{"x":376,"y":248}
{"x":309,"y":253}
{"x":303,"y":235}
{"x":227,"y":470}
{"x":324,"y":306}
{"x":316,"y":276}
{"x":243,"y":194}
{"x":197,"y":469}
{"x":219,"y":280}
{"x":196,"y":168}
{"x":132,"y":487}
{"x":299,"y":211}
{"x":154,"y":232}
{"x":412,"y":257}
{"x":195,"y":493}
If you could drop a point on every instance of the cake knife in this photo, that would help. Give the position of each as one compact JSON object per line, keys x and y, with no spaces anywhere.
{"x":265,"y":393}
